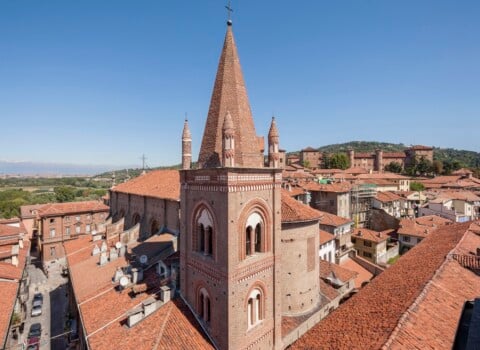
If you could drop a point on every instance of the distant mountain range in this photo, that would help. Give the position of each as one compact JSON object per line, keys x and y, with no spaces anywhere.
{"x":469,"y":159}
{"x":48,"y":169}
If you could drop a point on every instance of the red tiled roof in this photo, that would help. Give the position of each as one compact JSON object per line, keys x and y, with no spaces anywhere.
{"x":333,"y":220}
{"x":309,"y":149}
{"x":294,"y":211}
{"x":104,"y":309}
{"x":394,"y":155}
{"x":363,"y":275}
{"x":356,"y":170}
{"x":26,"y":211}
{"x":336,"y":187}
{"x":325,"y":237}
{"x":384,"y":176}
{"x":343,"y":274}
{"x":422,"y":226}
{"x":387,"y":196}
{"x":369,"y":235}
{"x":7,"y":230}
{"x":8,"y":292}
{"x":12,"y":272}
{"x":368,"y":319}
{"x":159,"y":183}
{"x":72,"y":207}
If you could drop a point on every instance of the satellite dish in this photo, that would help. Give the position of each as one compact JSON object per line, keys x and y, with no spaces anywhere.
{"x":124,"y":281}
{"x":143,"y":259}
{"x":118,"y":245}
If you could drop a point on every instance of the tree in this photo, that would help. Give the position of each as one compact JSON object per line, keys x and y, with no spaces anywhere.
{"x":394,"y":167}
{"x":64,"y":193}
{"x":416,"y":186}
{"x":306,"y":163}
{"x":437,"y":167}
{"x":338,"y":161}
{"x":424,"y":166}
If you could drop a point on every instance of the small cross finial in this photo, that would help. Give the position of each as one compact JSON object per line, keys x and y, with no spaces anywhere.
{"x":229,"y":13}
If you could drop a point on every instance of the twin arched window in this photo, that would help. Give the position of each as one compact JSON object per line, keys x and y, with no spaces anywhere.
{"x":254,"y":235}
{"x":255,"y":308}
{"x":204,"y":307}
{"x":205,"y":239}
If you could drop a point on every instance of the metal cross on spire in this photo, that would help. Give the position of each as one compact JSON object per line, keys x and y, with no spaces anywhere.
{"x":229,"y":12}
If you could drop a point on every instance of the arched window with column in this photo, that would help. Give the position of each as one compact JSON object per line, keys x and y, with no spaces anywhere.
{"x":204,"y":237}
{"x":254,"y":235}
{"x":204,"y":306}
{"x":255,"y":308}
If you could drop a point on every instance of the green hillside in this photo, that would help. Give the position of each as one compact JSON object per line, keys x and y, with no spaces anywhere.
{"x":465,"y":158}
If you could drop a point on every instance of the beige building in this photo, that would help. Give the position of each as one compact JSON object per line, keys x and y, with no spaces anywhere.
{"x":370,"y":245}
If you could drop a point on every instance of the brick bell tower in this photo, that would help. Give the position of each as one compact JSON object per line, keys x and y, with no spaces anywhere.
{"x":231,"y":221}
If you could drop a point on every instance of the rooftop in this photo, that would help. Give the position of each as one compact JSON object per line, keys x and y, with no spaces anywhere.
{"x":158,"y":183}
{"x":295,"y":211}
{"x":369,"y":235}
{"x":423,"y":282}
{"x":71,"y":207}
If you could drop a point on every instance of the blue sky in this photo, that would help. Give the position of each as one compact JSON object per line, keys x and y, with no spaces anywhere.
{"x":101,"y":82}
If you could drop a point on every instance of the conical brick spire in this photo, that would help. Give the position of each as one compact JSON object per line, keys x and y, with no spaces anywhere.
{"x":230,"y":95}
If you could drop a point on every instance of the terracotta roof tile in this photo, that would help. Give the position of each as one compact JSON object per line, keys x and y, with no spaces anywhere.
{"x":159,"y":183}
{"x":7,"y":230}
{"x":336,"y":187}
{"x":363,"y":275}
{"x":369,"y":235}
{"x":368,"y":319}
{"x":333,"y":220}
{"x":387,"y":196}
{"x":104,"y":309}
{"x":325,"y":237}
{"x":294,"y":211}
{"x":72,"y":207}
{"x":8,"y":292}
{"x":342,"y":273}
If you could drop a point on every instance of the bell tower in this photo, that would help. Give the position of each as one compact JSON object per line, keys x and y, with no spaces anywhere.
{"x":231,"y":221}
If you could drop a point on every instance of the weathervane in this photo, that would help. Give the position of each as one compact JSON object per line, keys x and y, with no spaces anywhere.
{"x":229,"y":13}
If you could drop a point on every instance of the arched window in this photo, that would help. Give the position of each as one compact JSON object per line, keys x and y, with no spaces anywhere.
{"x":255,"y":308}
{"x":205,"y":237}
{"x":204,"y":308}
{"x":254,"y":235}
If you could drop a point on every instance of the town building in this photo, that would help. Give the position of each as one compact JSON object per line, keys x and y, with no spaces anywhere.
{"x":55,"y":223}
{"x":327,"y":246}
{"x":390,"y":203}
{"x":14,"y":281}
{"x":370,"y":245}
{"x":412,"y":231}
{"x":341,"y":228}
{"x":458,"y":206}
{"x":333,"y":198}
{"x":311,"y":158}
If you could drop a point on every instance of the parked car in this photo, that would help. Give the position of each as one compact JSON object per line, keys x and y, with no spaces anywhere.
{"x":35,"y":331}
{"x":33,"y":343}
{"x":36,"y":310}
{"x":37,"y":299}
